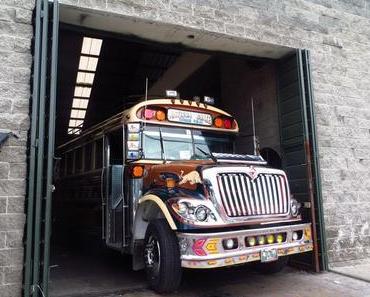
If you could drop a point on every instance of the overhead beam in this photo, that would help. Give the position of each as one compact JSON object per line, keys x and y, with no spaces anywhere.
{"x":178,"y":72}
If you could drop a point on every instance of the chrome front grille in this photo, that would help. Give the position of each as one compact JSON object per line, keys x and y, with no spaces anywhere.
{"x":241,"y":196}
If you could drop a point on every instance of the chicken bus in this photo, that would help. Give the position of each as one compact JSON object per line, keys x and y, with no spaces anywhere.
{"x":162,"y":182}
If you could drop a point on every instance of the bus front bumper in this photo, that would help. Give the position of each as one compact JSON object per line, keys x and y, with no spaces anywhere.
{"x":209,"y":250}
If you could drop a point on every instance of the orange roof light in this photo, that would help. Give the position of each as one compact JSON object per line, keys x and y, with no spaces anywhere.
{"x":160,"y":115}
{"x":218,"y":122}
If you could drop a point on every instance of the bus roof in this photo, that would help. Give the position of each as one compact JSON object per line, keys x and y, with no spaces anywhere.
{"x":131,"y":115}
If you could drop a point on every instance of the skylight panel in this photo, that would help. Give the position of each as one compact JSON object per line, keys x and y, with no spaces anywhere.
{"x":80,"y":103}
{"x":83,"y":92}
{"x":88,"y":63}
{"x":91,"y":46}
{"x":85,"y":78}
{"x":75,"y":123}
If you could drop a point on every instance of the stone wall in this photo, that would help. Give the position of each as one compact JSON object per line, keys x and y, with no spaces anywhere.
{"x":338,"y":34}
{"x":15,"y":67}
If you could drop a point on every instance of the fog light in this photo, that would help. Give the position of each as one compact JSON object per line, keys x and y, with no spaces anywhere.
{"x":279,"y":238}
{"x":270,"y":238}
{"x":295,"y":235}
{"x":261,"y":240}
{"x":229,"y":244}
{"x":251,"y":241}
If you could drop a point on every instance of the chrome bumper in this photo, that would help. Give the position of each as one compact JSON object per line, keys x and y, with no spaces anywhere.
{"x":206,"y":250}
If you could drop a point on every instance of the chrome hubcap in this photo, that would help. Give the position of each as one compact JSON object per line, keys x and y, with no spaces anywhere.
{"x":152,"y":254}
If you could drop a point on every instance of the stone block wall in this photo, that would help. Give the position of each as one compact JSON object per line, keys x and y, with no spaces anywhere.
{"x":15,"y":68}
{"x":337,"y":32}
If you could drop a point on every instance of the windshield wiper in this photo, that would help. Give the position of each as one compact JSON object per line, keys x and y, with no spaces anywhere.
{"x":207,"y":154}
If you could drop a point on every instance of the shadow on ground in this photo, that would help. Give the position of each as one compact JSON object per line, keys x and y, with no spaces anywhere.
{"x":100,"y":272}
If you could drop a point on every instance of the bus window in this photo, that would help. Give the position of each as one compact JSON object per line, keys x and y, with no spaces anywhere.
{"x":152,"y":143}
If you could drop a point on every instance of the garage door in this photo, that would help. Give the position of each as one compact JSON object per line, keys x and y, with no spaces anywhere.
{"x":299,"y":148}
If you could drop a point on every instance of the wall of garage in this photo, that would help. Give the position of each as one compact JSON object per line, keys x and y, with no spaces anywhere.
{"x":15,"y":68}
{"x":337,"y":33}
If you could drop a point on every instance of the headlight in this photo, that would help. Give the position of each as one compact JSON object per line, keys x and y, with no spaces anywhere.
{"x":201,"y":213}
{"x":294,"y":207}
{"x":194,"y":211}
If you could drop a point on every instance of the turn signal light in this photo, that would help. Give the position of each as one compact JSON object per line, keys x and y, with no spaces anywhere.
{"x":137,"y":171}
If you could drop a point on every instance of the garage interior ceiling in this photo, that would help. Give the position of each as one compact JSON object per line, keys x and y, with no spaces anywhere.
{"x":169,"y":33}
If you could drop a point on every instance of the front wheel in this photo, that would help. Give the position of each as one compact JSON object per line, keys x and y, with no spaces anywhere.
{"x":272,"y":267}
{"x":162,"y":257}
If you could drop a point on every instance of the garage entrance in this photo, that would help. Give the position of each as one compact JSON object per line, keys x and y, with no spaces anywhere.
{"x":233,"y":71}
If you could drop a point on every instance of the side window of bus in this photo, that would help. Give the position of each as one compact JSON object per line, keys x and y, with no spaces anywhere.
{"x":116,"y":147}
{"x":87,"y":159}
{"x":99,"y":153}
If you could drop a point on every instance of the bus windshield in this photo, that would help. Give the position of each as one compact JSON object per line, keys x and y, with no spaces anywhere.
{"x":183,"y":144}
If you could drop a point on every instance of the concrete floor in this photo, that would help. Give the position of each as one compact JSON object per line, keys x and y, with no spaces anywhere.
{"x":357,"y":269}
{"x":103,"y":273}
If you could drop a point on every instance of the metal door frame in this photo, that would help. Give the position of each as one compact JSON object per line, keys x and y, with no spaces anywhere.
{"x":39,"y":193}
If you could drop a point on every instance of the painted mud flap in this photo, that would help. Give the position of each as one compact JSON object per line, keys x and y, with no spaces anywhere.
{"x":211,"y":250}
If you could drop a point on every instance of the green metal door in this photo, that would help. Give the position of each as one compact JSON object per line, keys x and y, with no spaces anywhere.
{"x":41,"y":154}
{"x":299,"y":149}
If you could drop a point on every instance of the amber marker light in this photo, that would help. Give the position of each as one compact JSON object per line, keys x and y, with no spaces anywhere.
{"x":160,"y":115}
{"x":307,"y":234}
{"x":137,"y":171}
{"x":218,"y":122}
{"x":170,"y":183}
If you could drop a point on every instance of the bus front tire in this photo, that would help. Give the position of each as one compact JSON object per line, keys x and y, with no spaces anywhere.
{"x":162,"y":257}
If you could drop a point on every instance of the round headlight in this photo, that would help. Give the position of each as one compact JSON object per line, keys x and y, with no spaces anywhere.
{"x":182,"y":207}
{"x":294,"y":207}
{"x":295,"y":235}
{"x":201,"y":213}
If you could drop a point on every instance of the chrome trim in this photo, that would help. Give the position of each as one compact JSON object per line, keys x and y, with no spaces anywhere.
{"x":267,"y":197}
{"x":249,"y":232}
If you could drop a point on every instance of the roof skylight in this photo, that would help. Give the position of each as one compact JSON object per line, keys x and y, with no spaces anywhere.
{"x":88,"y":63}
